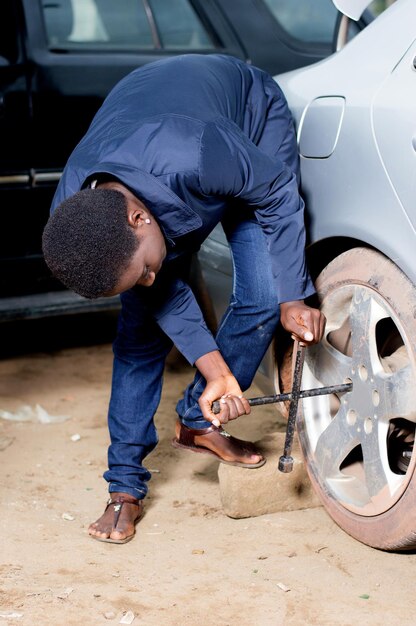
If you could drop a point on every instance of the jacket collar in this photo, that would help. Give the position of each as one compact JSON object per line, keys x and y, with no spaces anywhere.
{"x":175,"y":216}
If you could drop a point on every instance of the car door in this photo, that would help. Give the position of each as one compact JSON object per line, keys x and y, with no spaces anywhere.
{"x":86,"y":46}
{"x":76,"y":51}
{"x":15,"y":144}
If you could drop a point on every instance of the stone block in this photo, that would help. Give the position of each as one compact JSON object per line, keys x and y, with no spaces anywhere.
{"x":252,"y":492}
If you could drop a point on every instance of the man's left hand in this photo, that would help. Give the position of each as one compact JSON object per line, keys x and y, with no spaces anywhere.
{"x":305,"y":323}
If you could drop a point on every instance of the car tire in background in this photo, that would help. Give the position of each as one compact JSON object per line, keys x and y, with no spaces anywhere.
{"x":358,"y":446}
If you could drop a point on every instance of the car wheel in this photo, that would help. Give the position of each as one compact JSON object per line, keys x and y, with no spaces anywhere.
{"x":358,"y":446}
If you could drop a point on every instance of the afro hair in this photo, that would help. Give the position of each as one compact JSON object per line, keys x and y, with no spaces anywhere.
{"x":87,"y":242}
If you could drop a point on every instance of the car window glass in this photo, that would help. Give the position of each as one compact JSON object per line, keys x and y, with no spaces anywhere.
{"x":125,"y":24}
{"x":309,"y":21}
{"x":378,"y":6}
{"x":178,"y":25}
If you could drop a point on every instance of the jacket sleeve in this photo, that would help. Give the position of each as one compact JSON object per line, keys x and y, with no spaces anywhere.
{"x":232,"y":165}
{"x":180,"y":317}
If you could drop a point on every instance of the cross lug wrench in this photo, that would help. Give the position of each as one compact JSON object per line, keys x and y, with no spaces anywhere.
{"x":286,"y":460}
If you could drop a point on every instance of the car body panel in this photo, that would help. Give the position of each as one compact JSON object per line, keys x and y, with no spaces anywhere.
{"x":353,"y":193}
{"x":395,"y":125}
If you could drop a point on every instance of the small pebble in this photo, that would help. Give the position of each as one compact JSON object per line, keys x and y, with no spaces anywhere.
{"x":127,"y":618}
{"x":65,"y":594}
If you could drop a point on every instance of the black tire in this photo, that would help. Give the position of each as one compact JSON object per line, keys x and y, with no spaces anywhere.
{"x":358,"y":447}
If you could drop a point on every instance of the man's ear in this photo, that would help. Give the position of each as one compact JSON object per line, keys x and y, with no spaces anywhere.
{"x":136,"y":216}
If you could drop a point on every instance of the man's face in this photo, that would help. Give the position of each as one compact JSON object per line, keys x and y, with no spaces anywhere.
{"x":151,"y":251}
{"x":146,"y":261}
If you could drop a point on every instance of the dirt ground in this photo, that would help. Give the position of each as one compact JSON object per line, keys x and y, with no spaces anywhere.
{"x":189,"y":563}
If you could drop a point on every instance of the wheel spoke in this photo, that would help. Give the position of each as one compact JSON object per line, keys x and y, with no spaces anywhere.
{"x":381,"y":481}
{"x":328,"y":365}
{"x":334,"y":445}
{"x":374,"y":468}
{"x":400,"y":394}
{"x":365,"y":313}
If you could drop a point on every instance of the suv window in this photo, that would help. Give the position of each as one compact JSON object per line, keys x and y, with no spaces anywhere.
{"x":136,"y":24}
{"x":316,"y":22}
{"x":309,"y":21}
{"x":378,"y":6}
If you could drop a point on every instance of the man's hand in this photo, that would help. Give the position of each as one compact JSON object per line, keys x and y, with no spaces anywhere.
{"x":305,"y":323}
{"x":222,"y":386}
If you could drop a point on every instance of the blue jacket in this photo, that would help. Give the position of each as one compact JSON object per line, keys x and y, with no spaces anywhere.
{"x":187,"y":134}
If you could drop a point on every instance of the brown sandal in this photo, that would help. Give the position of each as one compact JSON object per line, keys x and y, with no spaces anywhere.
{"x":221,"y":444}
{"x":118,"y":504}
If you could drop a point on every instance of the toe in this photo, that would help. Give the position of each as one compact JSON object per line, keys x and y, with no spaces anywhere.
{"x":94,"y":532}
{"x":92,"y":526}
{"x":118,"y":535}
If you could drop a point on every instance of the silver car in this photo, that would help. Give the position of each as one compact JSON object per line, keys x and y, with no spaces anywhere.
{"x":355,"y":117}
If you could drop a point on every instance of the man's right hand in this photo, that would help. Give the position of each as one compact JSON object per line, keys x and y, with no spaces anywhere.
{"x":221,"y":385}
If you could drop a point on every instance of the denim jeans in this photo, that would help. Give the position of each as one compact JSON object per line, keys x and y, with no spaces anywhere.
{"x":140,"y":349}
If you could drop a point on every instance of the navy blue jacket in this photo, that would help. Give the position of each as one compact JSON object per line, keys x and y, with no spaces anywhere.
{"x":186,"y":134}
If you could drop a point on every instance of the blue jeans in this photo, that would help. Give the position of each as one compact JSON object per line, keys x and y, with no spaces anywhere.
{"x":140,"y":349}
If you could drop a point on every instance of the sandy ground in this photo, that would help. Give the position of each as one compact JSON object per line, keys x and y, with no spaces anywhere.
{"x":189,"y":563}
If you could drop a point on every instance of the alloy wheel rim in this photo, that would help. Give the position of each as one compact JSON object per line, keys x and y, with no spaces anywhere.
{"x":359,"y":445}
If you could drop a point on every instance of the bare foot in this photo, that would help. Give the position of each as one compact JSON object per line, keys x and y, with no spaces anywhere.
{"x":117,"y":524}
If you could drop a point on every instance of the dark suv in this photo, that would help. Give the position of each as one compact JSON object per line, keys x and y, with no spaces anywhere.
{"x":59,"y":59}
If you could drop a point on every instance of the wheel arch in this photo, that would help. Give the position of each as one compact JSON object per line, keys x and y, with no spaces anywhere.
{"x":318,"y":255}
{"x":322,"y":252}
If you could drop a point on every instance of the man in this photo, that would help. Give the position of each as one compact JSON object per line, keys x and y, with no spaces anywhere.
{"x":177,"y":147}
